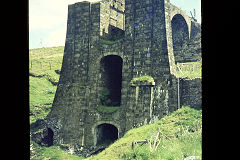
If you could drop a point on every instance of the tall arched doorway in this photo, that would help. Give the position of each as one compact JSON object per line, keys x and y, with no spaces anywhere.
{"x":106,"y":134}
{"x":180,"y":36}
{"x":111,"y":80}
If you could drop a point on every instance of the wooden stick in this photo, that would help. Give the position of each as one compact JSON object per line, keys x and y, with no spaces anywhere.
{"x":179,"y":69}
{"x":140,"y":141}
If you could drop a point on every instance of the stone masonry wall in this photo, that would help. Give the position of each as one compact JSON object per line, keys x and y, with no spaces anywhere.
{"x":190,"y":49}
{"x":184,"y":33}
{"x":191,"y":92}
{"x":111,"y":14}
{"x":145,"y":49}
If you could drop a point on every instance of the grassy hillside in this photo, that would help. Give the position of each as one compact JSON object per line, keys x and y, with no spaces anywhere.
{"x":44,"y":69}
{"x":180,"y":136}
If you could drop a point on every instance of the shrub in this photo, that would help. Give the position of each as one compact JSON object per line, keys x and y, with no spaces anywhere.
{"x":105,"y":97}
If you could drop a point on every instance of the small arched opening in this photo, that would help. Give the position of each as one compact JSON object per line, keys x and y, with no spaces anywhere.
{"x":48,"y":139}
{"x":111,"y":80}
{"x":106,"y":134}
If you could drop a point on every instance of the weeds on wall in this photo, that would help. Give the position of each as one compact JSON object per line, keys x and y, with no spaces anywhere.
{"x":105,"y":97}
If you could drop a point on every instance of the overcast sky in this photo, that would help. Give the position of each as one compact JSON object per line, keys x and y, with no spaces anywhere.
{"x":48,"y":20}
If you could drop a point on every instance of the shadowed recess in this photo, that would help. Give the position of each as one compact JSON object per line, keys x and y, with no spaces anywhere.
{"x":106,"y":134}
{"x":111,"y":78}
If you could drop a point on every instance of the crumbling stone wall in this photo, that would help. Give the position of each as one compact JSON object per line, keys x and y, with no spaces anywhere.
{"x":111,"y":16}
{"x":146,"y":48}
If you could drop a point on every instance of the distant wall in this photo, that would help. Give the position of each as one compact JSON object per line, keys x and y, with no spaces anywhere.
{"x":191,"y":92}
{"x":190,"y":50}
{"x":184,"y":35}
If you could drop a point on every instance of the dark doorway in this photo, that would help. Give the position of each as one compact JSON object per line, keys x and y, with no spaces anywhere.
{"x":48,"y":139}
{"x":111,"y":80}
{"x":180,"y":36}
{"x":179,"y":30}
{"x":106,"y":134}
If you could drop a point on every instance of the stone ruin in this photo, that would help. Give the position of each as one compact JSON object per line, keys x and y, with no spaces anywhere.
{"x":118,"y":71}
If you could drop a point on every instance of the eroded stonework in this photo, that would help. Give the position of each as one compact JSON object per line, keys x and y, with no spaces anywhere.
{"x":103,"y":38}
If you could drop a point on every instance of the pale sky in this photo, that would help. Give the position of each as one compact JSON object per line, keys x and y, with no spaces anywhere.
{"x":48,"y":20}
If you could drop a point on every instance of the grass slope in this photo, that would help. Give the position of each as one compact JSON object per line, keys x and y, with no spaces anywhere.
{"x":182,"y":129}
{"x":44,"y":66}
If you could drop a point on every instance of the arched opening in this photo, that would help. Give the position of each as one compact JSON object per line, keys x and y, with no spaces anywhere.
{"x":180,"y":36}
{"x":106,"y":134}
{"x":48,"y":139}
{"x":111,"y":80}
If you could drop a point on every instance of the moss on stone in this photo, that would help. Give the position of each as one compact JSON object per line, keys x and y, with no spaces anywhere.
{"x":146,"y":78}
{"x":107,"y":109}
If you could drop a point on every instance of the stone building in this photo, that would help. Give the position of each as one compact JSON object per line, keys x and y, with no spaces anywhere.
{"x":118,"y":70}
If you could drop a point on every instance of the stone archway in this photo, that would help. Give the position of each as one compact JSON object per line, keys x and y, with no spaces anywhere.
{"x":179,"y":29}
{"x":180,"y":36}
{"x":48,"y":138}
{"x":106,"y":134}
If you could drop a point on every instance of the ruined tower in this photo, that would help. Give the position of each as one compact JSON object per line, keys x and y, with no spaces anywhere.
{"x":118,"y":69}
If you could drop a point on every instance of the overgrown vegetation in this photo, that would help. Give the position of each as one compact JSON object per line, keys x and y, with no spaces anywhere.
{"x":105,"y":97}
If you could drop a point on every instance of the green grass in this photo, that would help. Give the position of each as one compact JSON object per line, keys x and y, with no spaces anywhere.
{"x":53,"y":153}
{"x":107,"y":109}
{"x":183,"y":127}
{"x":189,"y":70}
{"x":43,"y":64}
{"x":41,"y":97}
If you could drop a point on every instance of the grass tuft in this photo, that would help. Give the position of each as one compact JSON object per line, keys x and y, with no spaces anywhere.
{"x":108,"y":109}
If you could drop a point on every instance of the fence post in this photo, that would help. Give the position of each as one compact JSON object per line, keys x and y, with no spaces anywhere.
{"x":178,"y":93}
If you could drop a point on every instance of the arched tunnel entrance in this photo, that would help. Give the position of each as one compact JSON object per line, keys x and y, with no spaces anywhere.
{"x":111,"y":80}
{"x":106,"y":134}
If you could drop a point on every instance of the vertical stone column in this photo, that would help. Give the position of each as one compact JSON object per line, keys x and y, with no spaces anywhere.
{"x":169,"y":37}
